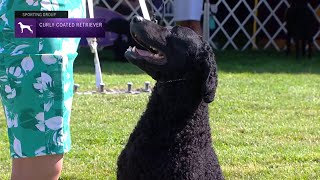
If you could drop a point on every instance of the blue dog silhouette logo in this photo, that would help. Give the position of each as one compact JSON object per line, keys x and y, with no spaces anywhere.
{"x":25,"y":26}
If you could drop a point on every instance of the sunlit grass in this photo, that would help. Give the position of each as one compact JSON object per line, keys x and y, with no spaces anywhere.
{"x":265,"y":119}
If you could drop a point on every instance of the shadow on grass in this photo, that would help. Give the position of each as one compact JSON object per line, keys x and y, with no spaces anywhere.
{"x":266,"y":62}
{"x":228,"y":61}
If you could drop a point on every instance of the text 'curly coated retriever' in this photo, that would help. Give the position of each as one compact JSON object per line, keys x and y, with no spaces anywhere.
{"x":172,"y":140}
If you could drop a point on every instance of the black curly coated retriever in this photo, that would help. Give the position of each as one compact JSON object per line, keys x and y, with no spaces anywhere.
{"x":172,"y":140}
{"x":301,"y":26}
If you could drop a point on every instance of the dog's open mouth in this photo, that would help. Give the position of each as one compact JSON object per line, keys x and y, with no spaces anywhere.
{"x":151,"y":55}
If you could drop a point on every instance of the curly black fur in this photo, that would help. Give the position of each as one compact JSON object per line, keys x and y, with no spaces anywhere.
{"x":172,"y":140}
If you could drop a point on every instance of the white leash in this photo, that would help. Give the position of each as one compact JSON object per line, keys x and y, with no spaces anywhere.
{"x":93,"y":42}
{"x":144,"y":9}
{"x":93,"y":46}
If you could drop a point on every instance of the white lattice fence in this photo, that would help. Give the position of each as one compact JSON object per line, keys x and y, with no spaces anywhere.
{"x":240,"y":25}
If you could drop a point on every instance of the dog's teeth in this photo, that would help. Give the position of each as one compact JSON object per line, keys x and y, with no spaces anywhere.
{"x":134,"y":49}
{"x":129,"y":48}
{"x":158,"y":55}
{"x":154,"y":49}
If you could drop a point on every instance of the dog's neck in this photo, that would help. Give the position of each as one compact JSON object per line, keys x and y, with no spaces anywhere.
{"x":175,"y":102}
{"x":175,"y":108}
{"x":180,"y":90}
{"x":171,"y":81}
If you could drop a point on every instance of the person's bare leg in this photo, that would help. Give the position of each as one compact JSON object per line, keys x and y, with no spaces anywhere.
{"x":38,"y":168}
{"x":192,"y":24}
{"x":183,"y":23}
{"x":196,"y":26}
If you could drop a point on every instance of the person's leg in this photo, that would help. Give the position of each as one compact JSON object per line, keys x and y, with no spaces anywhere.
{"x":36,"y":89}
{"x":192,"y":24}
{"x":37,"y":168}
{"x":288,"y":42}
{"x":38,"y":125}
{"x":303,"y":46}
{"x":310,"y":44}
{"x":297,"y":46}
{"x":196,"y":26}
{"x":37,"y":113}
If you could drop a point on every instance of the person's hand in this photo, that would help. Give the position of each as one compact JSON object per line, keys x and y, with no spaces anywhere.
{"x":214,"y":8}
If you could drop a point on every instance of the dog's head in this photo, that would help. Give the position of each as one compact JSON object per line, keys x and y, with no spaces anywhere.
{"x":173,"y":53}
{"x":19,"y":23}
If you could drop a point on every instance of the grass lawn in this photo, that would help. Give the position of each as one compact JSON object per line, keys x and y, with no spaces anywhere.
{"x":265,"y":119}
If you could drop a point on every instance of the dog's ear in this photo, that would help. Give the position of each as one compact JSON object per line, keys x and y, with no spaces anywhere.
{"x":208,"y":69}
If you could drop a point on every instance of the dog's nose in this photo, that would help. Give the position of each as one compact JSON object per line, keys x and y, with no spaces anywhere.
{"x":137,"y":19}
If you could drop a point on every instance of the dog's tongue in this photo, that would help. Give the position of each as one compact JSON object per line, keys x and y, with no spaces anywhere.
{"x":143,"y":52}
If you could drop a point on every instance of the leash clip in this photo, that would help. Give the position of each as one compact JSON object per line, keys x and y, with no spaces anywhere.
{"x":154,"y":19}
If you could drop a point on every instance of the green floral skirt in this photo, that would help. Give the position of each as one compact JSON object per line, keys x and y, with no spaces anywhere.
{"x":36,"y":81}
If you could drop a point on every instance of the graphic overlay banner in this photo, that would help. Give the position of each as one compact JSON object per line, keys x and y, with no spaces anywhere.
{"x":41,"y":14}
{"x":45,"y":24}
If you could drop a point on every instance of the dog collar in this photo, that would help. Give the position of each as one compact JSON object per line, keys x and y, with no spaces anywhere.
{"x":171,"y":81}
